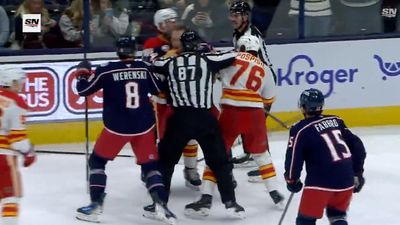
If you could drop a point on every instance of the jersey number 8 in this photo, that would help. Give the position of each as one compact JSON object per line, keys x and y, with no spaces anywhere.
{"x":132,"y":95}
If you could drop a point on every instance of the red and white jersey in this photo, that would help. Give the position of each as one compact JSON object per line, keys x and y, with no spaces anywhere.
{"x":247,"y":83}
{"x":13,"y":133}
{"x":153,"y":48}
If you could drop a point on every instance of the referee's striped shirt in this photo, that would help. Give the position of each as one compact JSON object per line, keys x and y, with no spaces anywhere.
{"x":190,"y":76}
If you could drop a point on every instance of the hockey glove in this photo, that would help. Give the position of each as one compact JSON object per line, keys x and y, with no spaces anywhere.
{"x":294,"y":186}
{"x":29,"y":158}
{"x":359,"y":182}
{"x":83,"y":70}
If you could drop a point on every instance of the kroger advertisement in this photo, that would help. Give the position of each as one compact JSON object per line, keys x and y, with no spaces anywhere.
{"x":351,"y":74}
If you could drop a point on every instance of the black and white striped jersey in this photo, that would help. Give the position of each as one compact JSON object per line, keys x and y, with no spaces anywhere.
{"x":262,"y":53}
{"x":190,"y":76}
{"x":253,"y":31}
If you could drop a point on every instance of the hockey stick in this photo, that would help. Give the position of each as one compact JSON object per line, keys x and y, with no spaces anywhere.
{"x":86,"y":42}
{"x":87,"y":142}
{"x":283,"y":124}
{"x":286,"y":208}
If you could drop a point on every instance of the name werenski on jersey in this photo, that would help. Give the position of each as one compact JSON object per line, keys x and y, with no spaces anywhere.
{"x":326,"y":124}
{"x":129,"y":75}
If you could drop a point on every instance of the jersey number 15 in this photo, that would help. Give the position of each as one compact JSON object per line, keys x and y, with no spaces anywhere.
{"x":333,"y":140}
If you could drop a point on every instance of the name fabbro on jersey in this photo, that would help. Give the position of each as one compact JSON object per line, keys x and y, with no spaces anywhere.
{"x":326,"y":124}
{"x":129,"y":75}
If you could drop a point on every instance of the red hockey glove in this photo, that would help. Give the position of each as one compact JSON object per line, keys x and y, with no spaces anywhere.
{"x":29,"y":157}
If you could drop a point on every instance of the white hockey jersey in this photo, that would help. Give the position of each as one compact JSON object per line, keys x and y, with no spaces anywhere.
{"x":247,"y":83}
{"x":13,"y":133}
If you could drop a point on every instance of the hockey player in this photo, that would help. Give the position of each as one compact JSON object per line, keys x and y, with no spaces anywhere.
{"x":247,"y":88}
{"x":190,"y":81}
{"x":165,"y":20}
{"x":128,"y":117}
{"x":240,"y":19}
{"x":334,"y":160}
{"x":13,"y":142}
{"x":156,"y":47}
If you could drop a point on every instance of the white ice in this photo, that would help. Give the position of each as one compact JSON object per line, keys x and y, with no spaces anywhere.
{"x":55,"y":187}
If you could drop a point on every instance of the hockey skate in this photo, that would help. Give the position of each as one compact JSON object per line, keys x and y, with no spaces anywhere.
{"x":243,"y":161}
{"x":235,"y":210}
{"x":192,"y":178}
{"x":159,"y":211}
{"x":200,"y":208}
{"x":278,"y":199}
{"x":91,"y":212}
{"x":254,"y":176}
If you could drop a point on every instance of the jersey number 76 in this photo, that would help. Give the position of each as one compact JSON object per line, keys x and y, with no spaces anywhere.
{"x":256,"y":75}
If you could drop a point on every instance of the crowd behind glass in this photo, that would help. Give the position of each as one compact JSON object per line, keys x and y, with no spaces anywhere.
{"x":62,"y":20}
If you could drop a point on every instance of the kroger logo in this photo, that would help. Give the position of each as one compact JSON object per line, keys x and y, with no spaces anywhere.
{"x":306,"y":75}
{"x":390,"y":69}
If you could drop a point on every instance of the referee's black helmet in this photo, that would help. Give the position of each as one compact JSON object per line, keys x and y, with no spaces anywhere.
{"x":190,"y":41}
{"x":241,"y":7}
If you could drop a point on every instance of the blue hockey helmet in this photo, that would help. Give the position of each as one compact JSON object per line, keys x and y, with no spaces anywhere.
{"x":312,"y":100}
{"x":240,"y":7}
{"x":126,"y":46}
{"x":190,"y":41}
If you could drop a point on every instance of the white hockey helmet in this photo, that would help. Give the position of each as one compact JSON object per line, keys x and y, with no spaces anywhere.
{"x":162,"y":15}
{"x":9,"y":75}
{"x":250,"y":43}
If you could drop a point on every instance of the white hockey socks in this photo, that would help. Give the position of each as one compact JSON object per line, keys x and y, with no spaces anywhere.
{"x":267,"y":170}
{"x":10,"y":210}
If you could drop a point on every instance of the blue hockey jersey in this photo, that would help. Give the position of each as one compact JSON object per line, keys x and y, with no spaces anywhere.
{"x":127,"y":87}
{"x":331,"y":152}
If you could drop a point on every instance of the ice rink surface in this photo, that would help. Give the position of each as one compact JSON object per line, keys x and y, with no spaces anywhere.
{"x":55,"y":187}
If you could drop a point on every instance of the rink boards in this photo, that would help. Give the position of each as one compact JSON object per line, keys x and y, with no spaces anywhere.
{"x":360,"y":81}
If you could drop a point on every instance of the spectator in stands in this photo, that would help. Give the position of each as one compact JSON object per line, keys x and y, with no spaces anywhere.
{"x":317,"y":17}
{"x":359,"y":17}
{"x":108,"y":23}
{"x":71,"y":23}
{"x":390,"y":15}
{"x":32,"y":40}
{"x":204,"y":16}
{"x":180,"y":5}
{"x":262,"y":14}
{"x":4,"y":27}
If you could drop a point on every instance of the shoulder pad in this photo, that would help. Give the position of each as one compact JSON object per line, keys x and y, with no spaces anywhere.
{"x":104,"y":64}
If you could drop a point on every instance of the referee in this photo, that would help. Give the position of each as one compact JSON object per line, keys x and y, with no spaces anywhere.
{"x":190,"y":80}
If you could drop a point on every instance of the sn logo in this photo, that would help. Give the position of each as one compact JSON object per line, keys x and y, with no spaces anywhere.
{"x":389,"y":12}
{"x":32,"y":22}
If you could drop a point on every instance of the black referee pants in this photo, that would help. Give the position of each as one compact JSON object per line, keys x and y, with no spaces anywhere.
{"x":201,"y":125}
